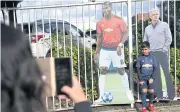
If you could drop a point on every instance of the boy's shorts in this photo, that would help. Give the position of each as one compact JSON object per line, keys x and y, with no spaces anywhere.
{"x":146,"y":84}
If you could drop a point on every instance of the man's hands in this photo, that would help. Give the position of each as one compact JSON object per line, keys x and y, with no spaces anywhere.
{"x":150,"y":81}
{"x":118,"y":50}
{"x":76,"y":93}
{"x":141,"y":82}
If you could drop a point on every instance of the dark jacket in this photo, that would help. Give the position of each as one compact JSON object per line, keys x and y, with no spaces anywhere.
{"x":145,"y":66}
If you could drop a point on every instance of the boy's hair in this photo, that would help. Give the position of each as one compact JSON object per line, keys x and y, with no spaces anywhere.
{"x":145,"y":44}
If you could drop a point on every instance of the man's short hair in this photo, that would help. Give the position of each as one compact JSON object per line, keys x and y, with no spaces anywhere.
{"x":107,"y":4}
{"x":145,"y":44}
{"x":152,"y":10}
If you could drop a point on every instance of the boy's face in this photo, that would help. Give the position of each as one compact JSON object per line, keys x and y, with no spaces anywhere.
{"x":146,"y":51}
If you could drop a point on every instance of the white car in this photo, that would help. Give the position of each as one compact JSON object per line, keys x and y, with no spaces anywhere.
{"x":40,"y":41}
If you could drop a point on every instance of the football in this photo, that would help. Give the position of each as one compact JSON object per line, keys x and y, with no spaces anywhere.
{"x":107,"y":97}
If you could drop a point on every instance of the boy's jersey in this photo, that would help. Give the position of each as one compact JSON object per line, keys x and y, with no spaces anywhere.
{"x":111,"y":31}
{"x":146,"y":64}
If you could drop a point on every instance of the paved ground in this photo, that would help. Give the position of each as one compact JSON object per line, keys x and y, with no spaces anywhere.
{"x":160,"y":106}
{"x":175,"y":108}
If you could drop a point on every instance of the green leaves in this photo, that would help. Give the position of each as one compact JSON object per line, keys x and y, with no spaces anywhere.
{"x":172,"y":64}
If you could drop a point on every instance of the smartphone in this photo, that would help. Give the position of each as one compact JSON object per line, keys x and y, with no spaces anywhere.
{"x":63,"y":71}
{"x":56,"y":73}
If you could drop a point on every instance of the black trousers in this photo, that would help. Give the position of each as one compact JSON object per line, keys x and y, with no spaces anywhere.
{"x":162,"y":59}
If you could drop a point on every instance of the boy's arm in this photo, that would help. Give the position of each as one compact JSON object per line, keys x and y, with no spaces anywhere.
{"x":154,"y":66}
{"x":138,"y":66}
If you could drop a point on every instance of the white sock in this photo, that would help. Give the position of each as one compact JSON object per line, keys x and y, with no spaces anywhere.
{"x":125,"y":81}
{"x":102,"y":79}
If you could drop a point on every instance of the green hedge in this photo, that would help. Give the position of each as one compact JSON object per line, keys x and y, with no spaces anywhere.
{"x":172,"y":64}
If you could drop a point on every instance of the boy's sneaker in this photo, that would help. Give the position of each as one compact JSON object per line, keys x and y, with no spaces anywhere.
{"x":151,"y":107}
{"x":144,"y":109}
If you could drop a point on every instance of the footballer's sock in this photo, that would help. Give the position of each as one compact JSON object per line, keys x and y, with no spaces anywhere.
{"x":101,"y":85}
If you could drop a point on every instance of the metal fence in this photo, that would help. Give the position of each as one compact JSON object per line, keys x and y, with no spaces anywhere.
{"x":61,"y":30}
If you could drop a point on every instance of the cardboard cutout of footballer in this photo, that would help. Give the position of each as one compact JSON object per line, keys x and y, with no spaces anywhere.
{"x":111,"y":34}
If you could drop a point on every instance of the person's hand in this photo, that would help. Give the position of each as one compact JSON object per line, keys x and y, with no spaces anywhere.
{"x":76,"y":93}
{"x":150,"y":81}
{"x":118,"y":50}
{"x":96,"y":57}
{"x":141,"y":82}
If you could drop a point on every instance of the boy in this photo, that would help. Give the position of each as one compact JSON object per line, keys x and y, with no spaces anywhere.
{"x":146,"y":65}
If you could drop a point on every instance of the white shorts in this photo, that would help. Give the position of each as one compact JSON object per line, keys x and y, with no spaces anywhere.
{"x":107,"y":56}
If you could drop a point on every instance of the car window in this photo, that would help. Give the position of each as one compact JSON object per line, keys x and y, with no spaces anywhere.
{"x":46,"y":28}
{"x":59,"y":27}
{"x":39,"y":28}
{"x":74,"y":30}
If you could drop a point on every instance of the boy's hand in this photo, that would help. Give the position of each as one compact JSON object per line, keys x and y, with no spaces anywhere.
{"x":150,"y":81}
{"x":141,"y":82}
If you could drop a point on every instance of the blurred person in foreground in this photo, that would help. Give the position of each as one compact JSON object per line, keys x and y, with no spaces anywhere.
{"x":21,"y":82}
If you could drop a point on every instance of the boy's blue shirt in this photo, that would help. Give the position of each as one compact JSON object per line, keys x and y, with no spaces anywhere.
{"x":146,"y":65}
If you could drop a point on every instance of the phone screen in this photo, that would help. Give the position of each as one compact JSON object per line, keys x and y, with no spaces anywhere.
{"x":63,"y":72}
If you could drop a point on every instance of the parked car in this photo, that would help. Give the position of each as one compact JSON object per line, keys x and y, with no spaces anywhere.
{"x":40,"y":40}
{"x":93,"y":34}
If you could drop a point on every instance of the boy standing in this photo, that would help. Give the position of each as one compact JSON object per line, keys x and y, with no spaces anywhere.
{"x":146,"y":65}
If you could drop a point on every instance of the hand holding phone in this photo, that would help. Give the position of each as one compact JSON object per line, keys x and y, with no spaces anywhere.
{"x":75,"y":92}
{"x":56,"y":73}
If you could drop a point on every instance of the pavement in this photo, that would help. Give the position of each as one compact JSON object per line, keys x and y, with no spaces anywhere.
{"x":174,"y":108}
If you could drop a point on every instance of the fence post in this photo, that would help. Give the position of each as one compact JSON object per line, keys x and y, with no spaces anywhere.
{"x":130,"y":48}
